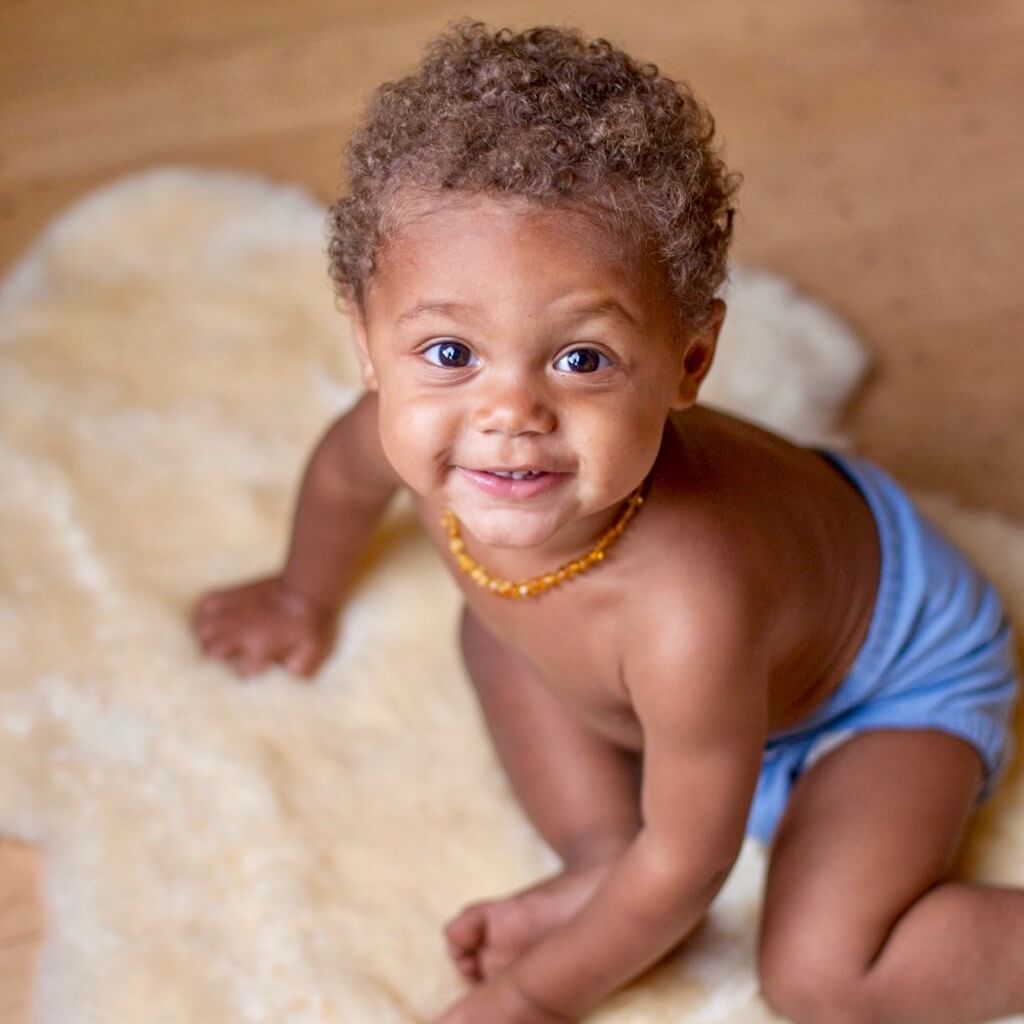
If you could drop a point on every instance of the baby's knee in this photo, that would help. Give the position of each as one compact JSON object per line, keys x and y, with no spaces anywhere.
{"x":809,"y":980}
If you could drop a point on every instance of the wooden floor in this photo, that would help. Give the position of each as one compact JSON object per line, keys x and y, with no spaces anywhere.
{"x":882,"y":145}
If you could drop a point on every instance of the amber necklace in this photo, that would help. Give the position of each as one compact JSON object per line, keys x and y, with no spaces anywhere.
{"x":516,"y":589}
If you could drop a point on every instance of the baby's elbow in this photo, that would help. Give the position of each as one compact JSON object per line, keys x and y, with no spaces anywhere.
{"x":681,"y":886}
{"x":699,"y":886}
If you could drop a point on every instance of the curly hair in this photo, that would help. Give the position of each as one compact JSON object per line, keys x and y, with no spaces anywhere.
{"x":546,"y":115}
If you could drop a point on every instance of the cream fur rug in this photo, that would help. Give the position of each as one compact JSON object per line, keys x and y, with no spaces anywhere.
{"x":218,"y":852}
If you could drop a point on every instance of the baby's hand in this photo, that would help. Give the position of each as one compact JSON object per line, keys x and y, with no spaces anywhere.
{"x":261,"y":623}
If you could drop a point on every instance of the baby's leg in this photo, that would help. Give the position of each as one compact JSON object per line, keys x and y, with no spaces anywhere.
{"x":580,"y":792}
{"x":862,"y":921}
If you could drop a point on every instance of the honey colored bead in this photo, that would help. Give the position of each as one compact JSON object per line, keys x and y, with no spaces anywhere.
{"x":537,"y":584}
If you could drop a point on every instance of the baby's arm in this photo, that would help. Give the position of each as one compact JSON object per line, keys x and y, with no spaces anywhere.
{"x":289,"y":617}
{"x":700,"y":700}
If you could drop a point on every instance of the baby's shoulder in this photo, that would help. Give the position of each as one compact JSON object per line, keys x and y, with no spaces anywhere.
{"x":695,"y":630}
{"x":694,"y":582}
{"x":703,"y":567}
{"x":724,"y":499}
{"x":691,"y":541}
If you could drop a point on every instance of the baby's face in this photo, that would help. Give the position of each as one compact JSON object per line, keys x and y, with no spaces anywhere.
{"x":504,"y":338}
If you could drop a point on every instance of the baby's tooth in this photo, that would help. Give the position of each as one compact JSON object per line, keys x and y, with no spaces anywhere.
{"x":515,"y":474}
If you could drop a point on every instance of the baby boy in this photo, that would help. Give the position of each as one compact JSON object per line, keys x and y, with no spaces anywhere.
{"x":681,"y":628}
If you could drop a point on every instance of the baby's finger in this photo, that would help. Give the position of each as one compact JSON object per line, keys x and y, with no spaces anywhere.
{"x":491,"y":961}
{"x":211,"y":635}
{"x":207,"y":631}
{"x":467,"y":931}
{"x":216,"y":618}
{"x":222,"y":649}
{"x":468,"y":967}
{"x":304,"y":659}
{"x":208,"y":602}
{"x":253,"y":658}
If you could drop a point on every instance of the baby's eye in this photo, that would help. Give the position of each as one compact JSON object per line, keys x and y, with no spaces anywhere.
{"x":452,"y":354}
{"x":582,"y":360}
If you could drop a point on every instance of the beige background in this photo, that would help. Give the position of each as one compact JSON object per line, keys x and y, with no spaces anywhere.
{"x":881,"y":144}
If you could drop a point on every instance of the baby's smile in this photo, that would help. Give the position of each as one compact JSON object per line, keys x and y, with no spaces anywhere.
{"x":513,"y":483}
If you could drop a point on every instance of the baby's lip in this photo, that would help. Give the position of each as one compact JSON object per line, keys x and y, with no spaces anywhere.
{"x":503,"y":485}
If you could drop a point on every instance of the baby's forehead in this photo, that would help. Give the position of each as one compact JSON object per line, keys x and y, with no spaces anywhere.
{"x":442,"y":232}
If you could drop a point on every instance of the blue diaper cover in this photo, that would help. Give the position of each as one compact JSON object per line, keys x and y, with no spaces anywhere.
{"x":938,"y":654}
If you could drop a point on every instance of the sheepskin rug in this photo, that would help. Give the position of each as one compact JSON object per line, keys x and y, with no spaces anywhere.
{"x":281,"y":851}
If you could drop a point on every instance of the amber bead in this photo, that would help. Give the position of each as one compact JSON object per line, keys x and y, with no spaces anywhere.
{"x":517,"y":590}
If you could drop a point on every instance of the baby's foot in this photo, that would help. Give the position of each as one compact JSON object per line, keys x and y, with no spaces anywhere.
{"x":486,"y":937}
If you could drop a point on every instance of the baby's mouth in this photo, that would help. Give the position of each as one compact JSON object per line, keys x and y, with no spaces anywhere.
{"x":522,"y":482}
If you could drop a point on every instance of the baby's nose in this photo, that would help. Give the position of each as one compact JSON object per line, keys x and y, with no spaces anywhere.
{"x":514,"y":408}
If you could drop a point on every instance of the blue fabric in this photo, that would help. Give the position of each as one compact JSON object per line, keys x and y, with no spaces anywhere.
{"x":938,"y":654}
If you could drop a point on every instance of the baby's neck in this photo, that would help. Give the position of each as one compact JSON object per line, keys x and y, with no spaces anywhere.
{"x":576,"y":549}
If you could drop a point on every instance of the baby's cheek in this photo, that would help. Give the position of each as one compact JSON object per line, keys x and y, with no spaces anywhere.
{"x":416,"y":440}
{"x":618,"y":445}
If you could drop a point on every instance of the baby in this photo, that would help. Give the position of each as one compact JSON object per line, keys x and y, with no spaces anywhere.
{"x":681,"y":628}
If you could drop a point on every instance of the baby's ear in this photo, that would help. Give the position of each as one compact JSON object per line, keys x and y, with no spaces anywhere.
{"x":698,"y":356}
{"x":359,"y":337}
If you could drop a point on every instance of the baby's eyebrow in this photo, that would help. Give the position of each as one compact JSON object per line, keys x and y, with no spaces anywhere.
{"x":452,"y":309}
{"x":604,"y":307}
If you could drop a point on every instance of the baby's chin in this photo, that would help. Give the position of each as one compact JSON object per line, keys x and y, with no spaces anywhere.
{"x":509,"y":530}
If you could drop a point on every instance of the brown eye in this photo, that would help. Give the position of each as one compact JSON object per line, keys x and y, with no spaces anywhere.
{"x":582,"y":360}
{"x":448,"y":353}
